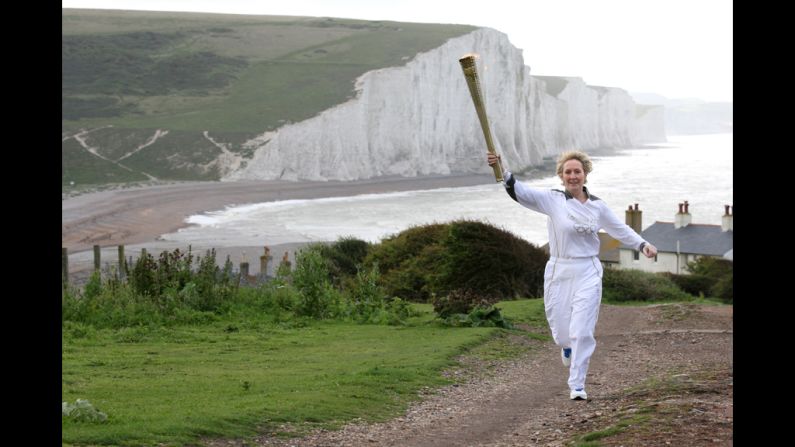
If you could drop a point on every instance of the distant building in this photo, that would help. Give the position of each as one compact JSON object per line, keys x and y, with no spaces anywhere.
{"x":609,"y":248}
{"x":679,"y":242}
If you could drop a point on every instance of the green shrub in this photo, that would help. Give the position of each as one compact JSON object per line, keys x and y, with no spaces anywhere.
{"x":94,"y":285}
{"x":280,"y":296}
{"x":709,"y":266}
{"x":436,"y":259}
{"x":479,"y":317}
{"x":695,"y":284}
{"x":317,"y":297}
{"x":398,"y":311}
{"x":143,"y":276}
{"x":366,"y":298}
{"x":367,"y":301}
{"x":490,"y":261}
{"x":213,"y":285}
{"x":720,"y":272}
{"x":724,"y":288}
{"x":162,"y":292}
{"x":467,"y":308}
{"x":459,"y":301}
{"x":123,"y":306}
{"x":345,"y":256}
{"x":406,"y":260}
{"x":637,"y":285}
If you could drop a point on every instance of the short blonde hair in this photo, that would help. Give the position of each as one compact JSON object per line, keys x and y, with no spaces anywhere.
{"x":580,"y":156}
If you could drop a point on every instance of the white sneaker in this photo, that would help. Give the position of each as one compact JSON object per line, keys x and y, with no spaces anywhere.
{"x":578,"y":394}
{"x":565,"y":355}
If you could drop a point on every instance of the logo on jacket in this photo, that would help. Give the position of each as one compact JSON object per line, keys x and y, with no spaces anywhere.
{"x":587,"y":226}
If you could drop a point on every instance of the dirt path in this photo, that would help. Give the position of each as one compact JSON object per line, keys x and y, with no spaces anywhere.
{"x":663,"y":373}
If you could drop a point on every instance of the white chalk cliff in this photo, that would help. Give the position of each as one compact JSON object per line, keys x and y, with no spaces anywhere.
{"x":419,"y":119}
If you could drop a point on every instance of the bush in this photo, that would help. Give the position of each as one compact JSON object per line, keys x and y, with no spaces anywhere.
{"x":279,"y":293}
{"x":436,"y":259}
{"x":491,"y":261}
{"x":720,"y":272}
{"x":366,"y":298}
{"x":368,"y":302}
{"x":165,"y":291}
{"x":465,"y":307}
{"x":479,"y":317}
{"x":94,"y":285}
{"x":211,"y":286}
{"x":724,"y":289}
{"x":344,"y":257}
{"x":459,"y":301}
{"x":407,"y":259}
{"x":695,"y":284}
{"x":637,"y":285}
{"x":122,"y":307}
{"x":318,"y":298}
{"x":143,"y":276}
{"x":709,"y":266}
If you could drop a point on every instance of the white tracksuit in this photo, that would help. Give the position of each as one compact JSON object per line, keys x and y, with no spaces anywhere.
{"x":573,"y":274}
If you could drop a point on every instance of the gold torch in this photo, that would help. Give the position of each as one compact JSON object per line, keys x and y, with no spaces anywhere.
{"x":468,"y":64}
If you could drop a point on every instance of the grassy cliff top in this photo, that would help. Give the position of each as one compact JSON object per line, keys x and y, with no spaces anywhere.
{"x":221,"y":72}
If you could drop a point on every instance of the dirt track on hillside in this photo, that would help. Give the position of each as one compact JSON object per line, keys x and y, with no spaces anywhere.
{"x":665,"y":371}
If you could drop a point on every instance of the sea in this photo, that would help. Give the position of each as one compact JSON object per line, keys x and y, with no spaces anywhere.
{"x":693,"y":168}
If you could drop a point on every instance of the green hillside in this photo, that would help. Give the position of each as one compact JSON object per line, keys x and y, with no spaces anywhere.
{"x":234,"y":76}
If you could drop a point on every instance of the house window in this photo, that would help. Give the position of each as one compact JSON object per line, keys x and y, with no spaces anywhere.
{"x":635,"y":255}
{"x":655,"y":258}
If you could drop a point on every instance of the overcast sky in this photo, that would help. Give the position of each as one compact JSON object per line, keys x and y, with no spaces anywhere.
{"x":674,"y":48}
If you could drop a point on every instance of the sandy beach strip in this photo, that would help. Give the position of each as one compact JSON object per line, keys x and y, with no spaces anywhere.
{"x":135,"y":217}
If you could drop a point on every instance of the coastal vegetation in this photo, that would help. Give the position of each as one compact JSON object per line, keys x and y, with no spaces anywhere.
{"x":172,"y":349}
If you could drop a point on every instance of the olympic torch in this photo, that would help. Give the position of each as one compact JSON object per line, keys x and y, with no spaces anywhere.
{"x":468,"y":64}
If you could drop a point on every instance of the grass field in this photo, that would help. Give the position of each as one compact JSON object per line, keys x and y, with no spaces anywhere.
{"x":247,"y":373}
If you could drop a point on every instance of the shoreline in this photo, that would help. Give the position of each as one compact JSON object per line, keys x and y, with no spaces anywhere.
{"x":135,"y":217}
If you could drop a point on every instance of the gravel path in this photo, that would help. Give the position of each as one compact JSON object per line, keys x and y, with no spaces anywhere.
{"x":524,"y":402}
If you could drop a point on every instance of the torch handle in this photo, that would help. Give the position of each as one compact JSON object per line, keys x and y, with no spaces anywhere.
{"x":473,"y":82}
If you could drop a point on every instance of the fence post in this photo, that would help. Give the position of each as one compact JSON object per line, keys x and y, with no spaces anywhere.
{"x":121,"y":262}
{"x":64,"y":266}
{"x":96,"y":257}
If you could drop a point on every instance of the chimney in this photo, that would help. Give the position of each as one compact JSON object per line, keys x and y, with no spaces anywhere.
{"x":682,"y":218}
{"x":629,"y":216}
{"x":727,"y":221}
{"x":633,"y":218}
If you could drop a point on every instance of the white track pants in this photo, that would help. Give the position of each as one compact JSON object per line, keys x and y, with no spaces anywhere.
{"x":572,"y":294}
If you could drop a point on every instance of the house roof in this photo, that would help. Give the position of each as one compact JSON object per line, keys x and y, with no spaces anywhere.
{"x":698,"y":239}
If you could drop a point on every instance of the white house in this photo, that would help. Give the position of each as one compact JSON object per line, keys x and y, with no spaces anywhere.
{"x":679,"y":242}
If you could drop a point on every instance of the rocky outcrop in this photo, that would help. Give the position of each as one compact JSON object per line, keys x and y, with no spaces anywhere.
{"x":419,"y":119}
